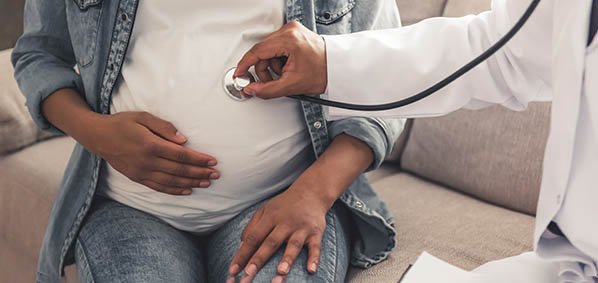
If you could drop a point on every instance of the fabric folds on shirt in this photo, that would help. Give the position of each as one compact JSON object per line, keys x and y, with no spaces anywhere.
{"x":174,"y":69}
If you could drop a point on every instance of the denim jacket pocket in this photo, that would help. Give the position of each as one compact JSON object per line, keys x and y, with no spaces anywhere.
{"x":83,"y":18}
{"x":329,"y":12}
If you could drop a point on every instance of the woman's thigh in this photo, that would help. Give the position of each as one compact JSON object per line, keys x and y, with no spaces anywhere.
{"x":224,"y":243}
{"x":118,"y":243}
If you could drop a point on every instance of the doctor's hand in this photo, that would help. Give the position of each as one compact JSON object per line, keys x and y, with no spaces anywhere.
{"x":296,"y":54}
{"x":149,"y":151}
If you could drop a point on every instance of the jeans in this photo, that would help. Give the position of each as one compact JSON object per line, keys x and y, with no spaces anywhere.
{"x":118,"y":243}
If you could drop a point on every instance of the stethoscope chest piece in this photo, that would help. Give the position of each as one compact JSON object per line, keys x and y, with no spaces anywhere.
{"x":234,"y":87}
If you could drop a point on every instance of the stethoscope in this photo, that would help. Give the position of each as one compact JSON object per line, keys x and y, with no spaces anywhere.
{"x":234,"y":87}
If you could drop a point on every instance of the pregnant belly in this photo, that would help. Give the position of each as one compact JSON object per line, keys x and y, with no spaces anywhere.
{"x":254,"y":164}
{"x":261,"y":148}
{"x":249,"y":174}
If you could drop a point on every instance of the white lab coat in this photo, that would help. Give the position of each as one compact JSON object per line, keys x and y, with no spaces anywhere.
{"x":548,"y":59}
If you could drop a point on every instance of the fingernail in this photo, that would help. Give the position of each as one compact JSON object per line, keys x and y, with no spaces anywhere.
{"x":179,"y":135}
{"x":284,"y":267}
{"x":251,"y":269}
{"x":214,"y":176}
{"x":204,"y":184}
{"x":230,"y":279}
{"x":234,"y":269}
{"x":249,"y":91}
{"x":212,"y":163}
{"x":312,"y":267}
{"x":278,"y":279}
{"x":238,"y":73}
{"x":187,"y":192}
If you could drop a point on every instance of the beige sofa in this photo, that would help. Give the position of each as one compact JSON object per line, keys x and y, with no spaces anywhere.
{"x":463,"y":187}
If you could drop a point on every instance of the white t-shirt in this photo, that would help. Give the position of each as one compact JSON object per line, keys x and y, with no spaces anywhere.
{"x":178,"y":54}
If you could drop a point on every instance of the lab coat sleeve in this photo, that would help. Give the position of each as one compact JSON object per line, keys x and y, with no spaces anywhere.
{"x":379,"y":134}
{"x":392,"y":64}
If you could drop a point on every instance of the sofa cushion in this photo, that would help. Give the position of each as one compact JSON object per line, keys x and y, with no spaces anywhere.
{"x":426,"y":215}
{"x":17,"y":129}
{"x":11,"y":22}
{"x":458,"y":8}
{"x":15,"y":266}
{"x":494,"y":154}
{"x":452,"y":226}
{"x":383,"y":171}
{"x":413,"y":11}
{"x":399,"y":146}
{"x":29,"y":180}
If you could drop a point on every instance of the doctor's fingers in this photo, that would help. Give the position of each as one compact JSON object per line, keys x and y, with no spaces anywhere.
{"x":277,"y":64}
{"x":263,"y":51}
{"x":272,"y":89}
{"x":268,"y":48}
{"x":293,"y":38}
{"x":305,"y":69}
{"x":262,"y":70}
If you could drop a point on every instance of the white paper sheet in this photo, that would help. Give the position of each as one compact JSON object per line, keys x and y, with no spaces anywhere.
{"x":429,"y":269}
{"x":525,"y":268}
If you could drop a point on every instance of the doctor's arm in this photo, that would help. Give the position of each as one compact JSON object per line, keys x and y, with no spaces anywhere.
{"x":393,"y":64}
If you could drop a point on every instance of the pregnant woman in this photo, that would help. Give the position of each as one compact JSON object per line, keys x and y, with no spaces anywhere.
{"x":171,"y":180}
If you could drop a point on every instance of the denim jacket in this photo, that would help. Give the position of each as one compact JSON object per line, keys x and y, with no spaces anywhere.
{"x":93,"y":35}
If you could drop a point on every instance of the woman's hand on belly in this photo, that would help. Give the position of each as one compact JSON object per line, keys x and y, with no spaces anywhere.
{"x":298,"y":215}
{"x":150,"y":151}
